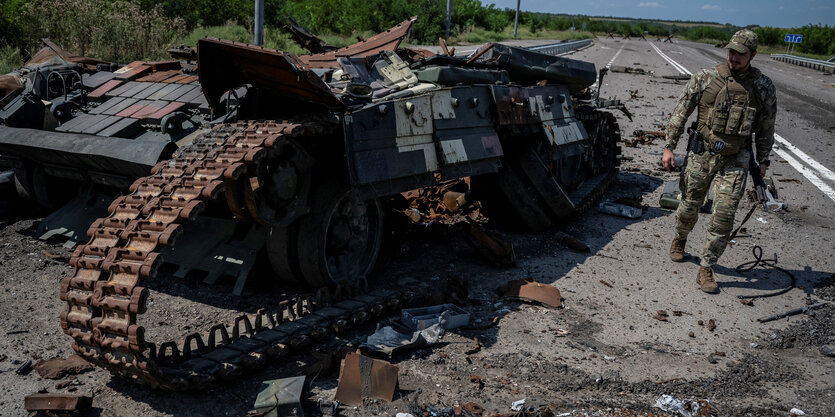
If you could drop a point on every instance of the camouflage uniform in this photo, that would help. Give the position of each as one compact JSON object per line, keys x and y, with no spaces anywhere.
{"x":727,"y":172}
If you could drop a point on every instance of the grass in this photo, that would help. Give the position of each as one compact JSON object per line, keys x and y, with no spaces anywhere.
{"x":767,"y":49}
{"x":478,"y":35}
{"x":272,"y":38}
{"x":10,"y":59}
{"x":660,"y":22}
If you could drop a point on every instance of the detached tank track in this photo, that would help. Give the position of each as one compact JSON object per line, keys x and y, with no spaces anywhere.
{"x":600,"y":188}
{"x":105,"y":295}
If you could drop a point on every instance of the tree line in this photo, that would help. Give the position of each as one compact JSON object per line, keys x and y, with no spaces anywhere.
{"x":122,"y":30}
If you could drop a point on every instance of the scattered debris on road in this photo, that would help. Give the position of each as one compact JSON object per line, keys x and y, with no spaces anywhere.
{"x":362,"y":377}
{"x":279,"y":398}
{"x":57,"y":402}
{"x":530,"y":291}
{"x":57,"y":368}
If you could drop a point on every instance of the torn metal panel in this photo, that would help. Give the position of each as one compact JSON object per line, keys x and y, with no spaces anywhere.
{"x":56,"y":368}
{"x":225,"y":65}
{"x":363,"y":377}
{"x":529,"y":67}
{"x":56,"y":402}
{"x":490,"y":247}
{"x":280,"y":398}
{"x":386,"y":41}
{"x":533,"y":291}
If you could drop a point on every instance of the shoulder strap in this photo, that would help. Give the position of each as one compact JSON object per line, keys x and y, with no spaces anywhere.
{"x":723,"y":69}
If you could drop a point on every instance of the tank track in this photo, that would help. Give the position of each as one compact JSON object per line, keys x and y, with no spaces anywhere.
{"x":106,"y":295}
{"x":612,"y":134}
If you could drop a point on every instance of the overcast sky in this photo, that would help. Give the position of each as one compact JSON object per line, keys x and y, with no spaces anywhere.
{"x":777,"y":13}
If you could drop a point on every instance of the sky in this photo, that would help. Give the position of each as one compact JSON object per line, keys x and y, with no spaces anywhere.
{"x":773,"y":13}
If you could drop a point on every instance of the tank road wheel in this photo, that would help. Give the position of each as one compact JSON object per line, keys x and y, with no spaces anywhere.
{"x":48,"y":193}
{"x":339,"y":240}
{"x":282,"y":254}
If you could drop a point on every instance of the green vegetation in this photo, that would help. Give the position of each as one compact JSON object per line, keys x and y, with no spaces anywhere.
{"x":126,"y":30}
{"x":9,"y":59}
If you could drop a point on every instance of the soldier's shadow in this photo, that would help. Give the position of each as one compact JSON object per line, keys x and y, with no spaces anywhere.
{"x":764,"y":279}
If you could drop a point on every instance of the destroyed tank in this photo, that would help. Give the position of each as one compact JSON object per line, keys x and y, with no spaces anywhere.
{"x":294,"y":157}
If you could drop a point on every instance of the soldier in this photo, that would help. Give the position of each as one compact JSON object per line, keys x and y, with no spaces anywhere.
{"x":735,"y":101}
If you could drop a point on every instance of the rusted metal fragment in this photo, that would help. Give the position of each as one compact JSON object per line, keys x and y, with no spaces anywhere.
{"x":99,"y":93}
{"x":170,"y":65}
{"x":363,"y":377}
{"x":58,"y":367}
{"x":168,"y":109}
{"x":132,"y":71}
{"x":414,"y":54}
{"x":280,"y":398}
{"x":9,"y":84}
{"x":56,"y":402}
{"x":52,"y":52}
{"x":386,"y":41}
{"x":571,"y":242}
{"x":224,"y":65}
{"x":532,"y":291}
{"x":490,"y":247}
{"x":159,"y":76}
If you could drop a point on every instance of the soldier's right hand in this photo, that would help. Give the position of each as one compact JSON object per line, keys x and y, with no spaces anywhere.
{"x":668,"y":160}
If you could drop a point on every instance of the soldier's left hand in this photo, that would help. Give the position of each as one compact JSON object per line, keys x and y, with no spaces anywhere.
{"x":763,"y":168}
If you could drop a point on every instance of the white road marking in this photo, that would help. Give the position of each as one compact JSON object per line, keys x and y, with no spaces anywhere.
{"x":809,"y":173}
{"x":593,"y":86}
{"x":680,"y":68}
{"x":616,"y":56}
{"x":822,"y":170}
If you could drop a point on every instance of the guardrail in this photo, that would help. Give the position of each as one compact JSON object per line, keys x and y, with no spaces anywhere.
{"x":561,"y":48}
{"x":827,"y":67}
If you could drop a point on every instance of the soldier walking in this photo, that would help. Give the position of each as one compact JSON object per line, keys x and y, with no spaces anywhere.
{"x":735,"y":103}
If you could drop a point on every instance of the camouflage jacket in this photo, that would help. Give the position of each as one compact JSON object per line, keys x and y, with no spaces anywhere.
{"x":689,"y":100}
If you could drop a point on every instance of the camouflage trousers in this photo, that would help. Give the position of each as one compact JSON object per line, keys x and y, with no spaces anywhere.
{"x":728,"y":174}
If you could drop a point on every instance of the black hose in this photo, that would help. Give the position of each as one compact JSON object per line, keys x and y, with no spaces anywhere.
{"x":766,"y":263}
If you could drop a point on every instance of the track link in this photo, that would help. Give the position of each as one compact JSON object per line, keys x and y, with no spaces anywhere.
{"x":105,"y":295}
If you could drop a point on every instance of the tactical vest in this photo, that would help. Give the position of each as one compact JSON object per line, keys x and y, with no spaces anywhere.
{"x":726,"y":113}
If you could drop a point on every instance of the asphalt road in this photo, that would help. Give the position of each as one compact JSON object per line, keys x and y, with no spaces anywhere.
{"x":604,"y":351}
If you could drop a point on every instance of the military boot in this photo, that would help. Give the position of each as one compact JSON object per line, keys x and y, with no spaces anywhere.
{"x":677,"y":250}
{"x":706,"y":281}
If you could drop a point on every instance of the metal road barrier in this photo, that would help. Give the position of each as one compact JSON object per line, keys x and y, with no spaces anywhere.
{"x":561,"y":48}
{"x":827,"y":67}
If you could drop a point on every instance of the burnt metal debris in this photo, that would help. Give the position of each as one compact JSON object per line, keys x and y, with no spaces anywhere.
{"x":531,"y":291}
{"x":279,"y":398}
{"x":63,"y":403}
{"x":298,"y":152}
{"x":361,"y":377}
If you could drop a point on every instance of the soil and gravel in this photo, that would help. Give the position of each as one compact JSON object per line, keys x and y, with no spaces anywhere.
{"x":606,"y":353}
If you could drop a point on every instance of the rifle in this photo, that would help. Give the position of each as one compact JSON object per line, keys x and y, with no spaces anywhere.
{"x":763,"y":194}
{"x":760,"y":187}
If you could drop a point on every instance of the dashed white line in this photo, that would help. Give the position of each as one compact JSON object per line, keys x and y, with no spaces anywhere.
{"x":593,"y":86}
{"x":616,"y":56}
